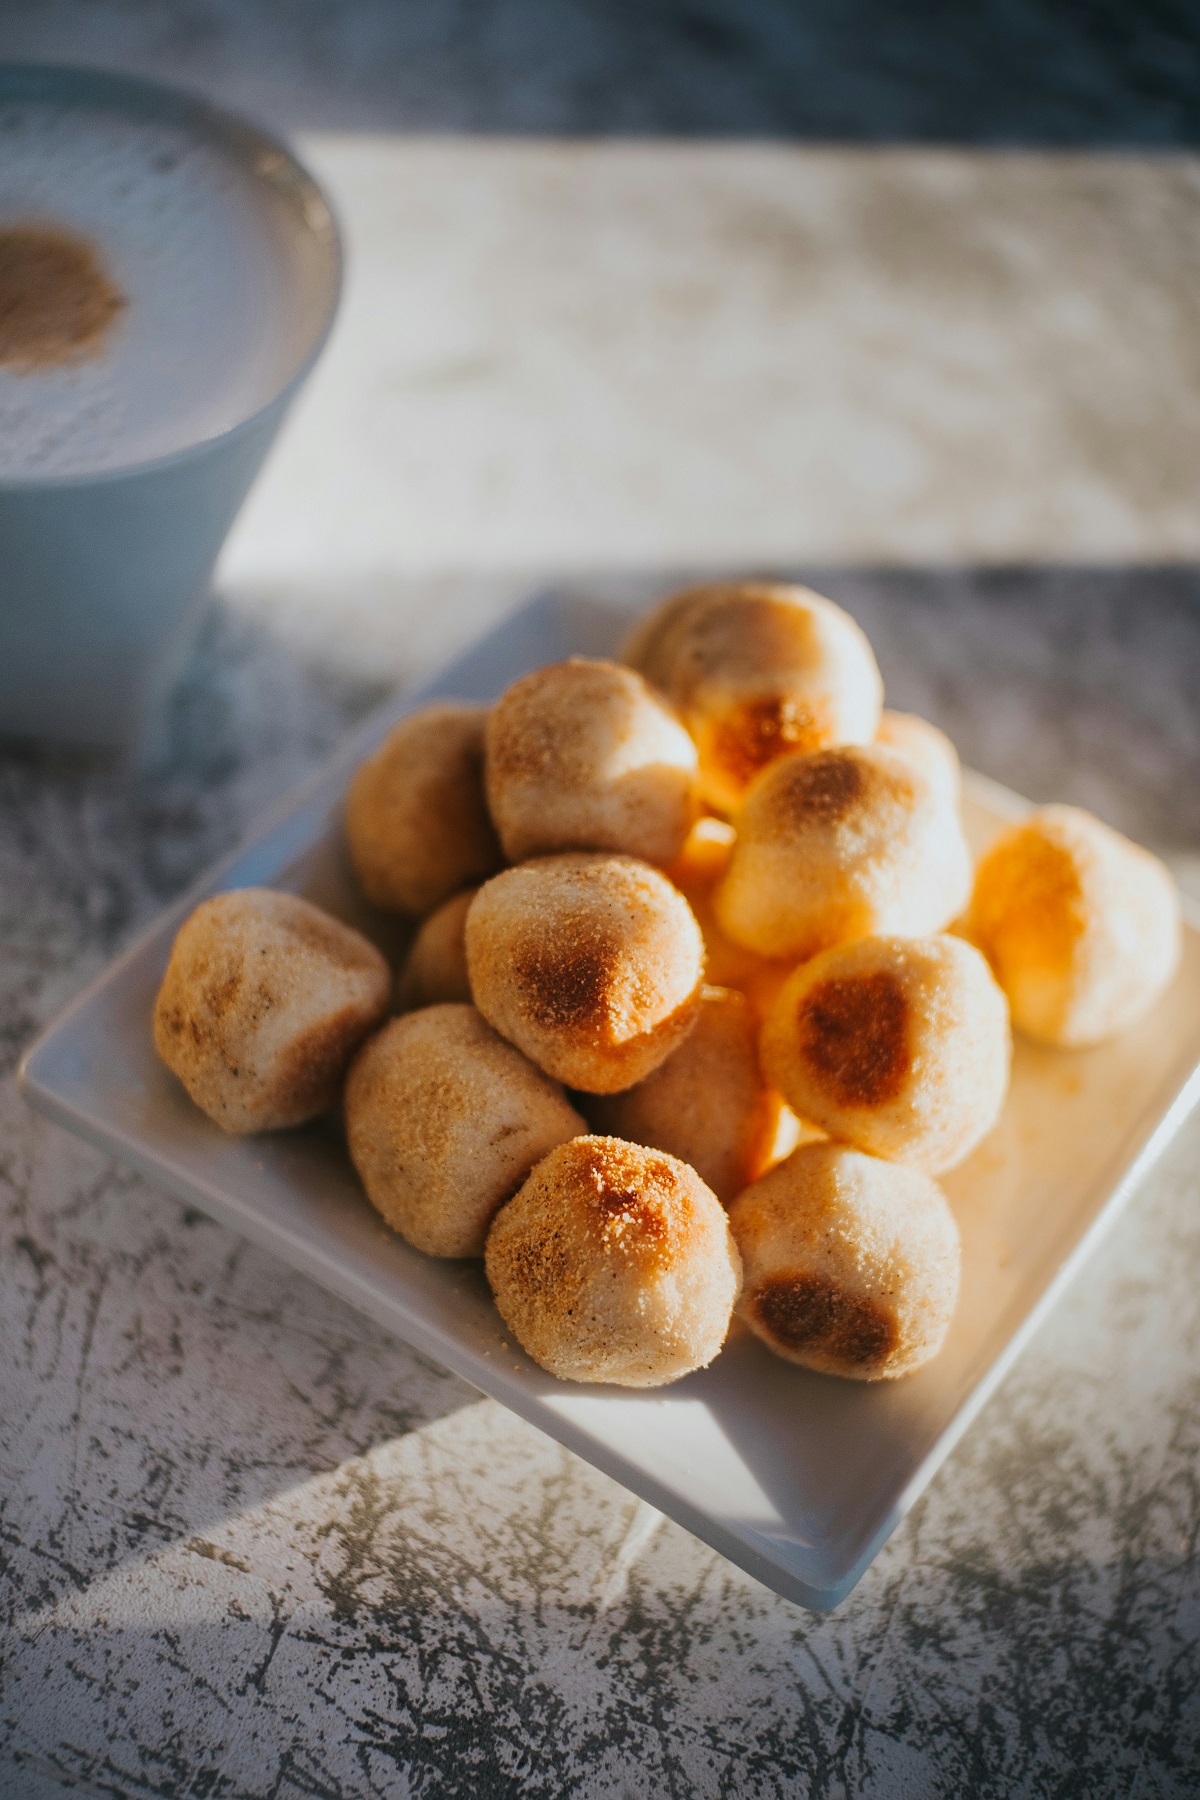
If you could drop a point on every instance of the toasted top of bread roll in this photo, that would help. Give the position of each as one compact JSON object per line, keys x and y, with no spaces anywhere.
{"x":417,"y":823}
{"x":837,"y":845}
{"x":264,"y":998}
{"x":444,"y":1120}
{"x":591,"y":965}
{"x":1081,"y":926}
{"x":614,"y":1263}
{"x":900,"y":1046}
{"x":851,"y":1265}
{"x":758,"y":670}
{"x":583,"y":755}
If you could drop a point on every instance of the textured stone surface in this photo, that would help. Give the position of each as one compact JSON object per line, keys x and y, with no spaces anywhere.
{"x":253,"y":1547}
{"x":627,"y":355}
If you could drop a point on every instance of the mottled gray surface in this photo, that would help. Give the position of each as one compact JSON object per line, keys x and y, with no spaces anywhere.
{"x":252,"y":1547}
{"x":1063,"y":72}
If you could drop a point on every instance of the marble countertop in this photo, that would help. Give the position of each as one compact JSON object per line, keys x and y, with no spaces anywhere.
{"x":253,"y":1547}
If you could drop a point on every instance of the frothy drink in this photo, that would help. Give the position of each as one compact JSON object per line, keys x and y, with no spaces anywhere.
{"x":152,"y":290}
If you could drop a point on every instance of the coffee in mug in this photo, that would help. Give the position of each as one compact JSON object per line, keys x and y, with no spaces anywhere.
{"x":145,"y":288}
{"x":167,"y":277}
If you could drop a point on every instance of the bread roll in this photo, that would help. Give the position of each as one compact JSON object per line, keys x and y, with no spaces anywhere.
{"x":758,"y":670}
{"x":591,"y":965}
{"x":444,"y":1120}
{"x":436,"y":970}
{"x":708,"y":1103}
{"x":614,"y":1263}
{"x":417,"y":822}
{"x":583,"y":755}
{"x":1081,"y":926}
{"x":838,"y":845}
{"x":851,"y":1265}
{"x":899,"y":1046}
{"x":264,"y":999}
{"x":929,"y":748}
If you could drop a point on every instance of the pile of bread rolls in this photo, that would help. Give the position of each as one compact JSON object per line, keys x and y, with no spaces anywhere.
{"x":703,"y":996}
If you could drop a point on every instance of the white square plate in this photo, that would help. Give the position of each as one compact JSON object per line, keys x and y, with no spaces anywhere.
{"x":800,"y":1478}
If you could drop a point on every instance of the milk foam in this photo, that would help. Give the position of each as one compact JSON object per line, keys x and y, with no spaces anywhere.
{"x":214,"y":257}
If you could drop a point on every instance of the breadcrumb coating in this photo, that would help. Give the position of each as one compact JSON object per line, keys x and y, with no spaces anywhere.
{"x":838,"y":845}
{"x":614,"y":1263}
{"x":264,"y":998}
{"x":417,"y":823}
{"x":899,"y":1046}
{"x":592,"y":965}
{"x":444,"y":1120}
{"x":851,"y":1265}
{"x":582,"y":755}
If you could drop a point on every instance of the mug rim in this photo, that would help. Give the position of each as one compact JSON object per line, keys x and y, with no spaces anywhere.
{"x":79,"y":83}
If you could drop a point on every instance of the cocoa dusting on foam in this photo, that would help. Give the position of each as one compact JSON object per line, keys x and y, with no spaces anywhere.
{"x":57,"y":304}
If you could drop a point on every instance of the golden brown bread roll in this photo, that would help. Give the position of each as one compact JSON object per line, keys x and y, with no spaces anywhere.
{"x":1081,"y":926}
{"x":263,"y":1000}
{"x":928,"y":747}
{"x":614,"y":1263}
{"x":417,"y":822}
{"x":436,"y":970}
{"x":851,"y":1265}
{"x":837,"y":845}
{"x":444,"y":1120}
{"x":708,"y":1103}
{"x":582,"y":755}
{"x":758,"y":670}
{"x":591,"y":965}
{"x":899,"y":1046}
